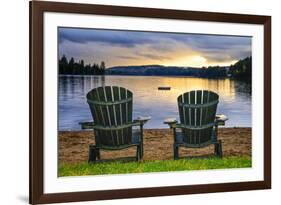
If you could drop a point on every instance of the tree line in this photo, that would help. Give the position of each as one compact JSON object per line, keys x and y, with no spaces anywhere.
{"x":242,"y":69}
{"x":72,"y":67}
{"x":159,"y":70}
{"x":212,"y":72}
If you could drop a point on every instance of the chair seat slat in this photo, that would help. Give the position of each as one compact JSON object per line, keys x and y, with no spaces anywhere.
{"x":110,"y":102}
{"x":197,"y":127}
{"x":199,"y":105}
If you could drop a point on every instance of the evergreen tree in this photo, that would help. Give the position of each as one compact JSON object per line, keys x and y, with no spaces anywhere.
{"x":102,"y":67}
{"x":242,"y":69}
{"x":63,"y":63}
{"x":70,"y":69}
{"x":79,"y":68}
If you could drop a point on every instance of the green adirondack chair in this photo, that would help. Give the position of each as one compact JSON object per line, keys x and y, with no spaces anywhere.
{"x":111,"y":109}
{"x":198,"y":122}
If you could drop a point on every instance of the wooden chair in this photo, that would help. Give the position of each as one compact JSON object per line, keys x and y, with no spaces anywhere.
{"x":111,"y":109}
{"x":198,"y":125}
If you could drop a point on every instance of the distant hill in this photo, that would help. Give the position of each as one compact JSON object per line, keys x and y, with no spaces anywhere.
{"x":242,"y":69}
{"x":159,"y":70}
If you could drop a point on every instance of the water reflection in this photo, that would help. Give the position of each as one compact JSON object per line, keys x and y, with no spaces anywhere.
{"x":235,"y":97}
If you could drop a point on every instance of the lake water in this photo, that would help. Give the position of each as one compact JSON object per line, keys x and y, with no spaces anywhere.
{"x":234,"y":102}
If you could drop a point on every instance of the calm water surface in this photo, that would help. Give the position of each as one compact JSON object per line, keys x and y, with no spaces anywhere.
{"x":235,"y":98}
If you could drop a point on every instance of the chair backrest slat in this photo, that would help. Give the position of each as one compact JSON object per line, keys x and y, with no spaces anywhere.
{"x":111,"y":107}
{"x":197,"y":109}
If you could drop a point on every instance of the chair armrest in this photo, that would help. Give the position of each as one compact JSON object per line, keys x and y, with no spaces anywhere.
{"x":141,"y":120}
{"x":86,"y":125}
{"x":172,"y":122}
{"x":91,"y":125}
{"x":220,"y":119}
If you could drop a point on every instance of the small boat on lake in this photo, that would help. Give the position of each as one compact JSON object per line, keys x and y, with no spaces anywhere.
{"x":164,"y":88}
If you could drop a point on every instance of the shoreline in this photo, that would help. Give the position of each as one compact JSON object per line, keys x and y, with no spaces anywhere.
{"x":153,"y":129}
{"x":158,"y":143}
{"x":172,"y":76}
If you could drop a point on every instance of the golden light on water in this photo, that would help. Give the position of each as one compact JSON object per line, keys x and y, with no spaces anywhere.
{"x":179,"y":85}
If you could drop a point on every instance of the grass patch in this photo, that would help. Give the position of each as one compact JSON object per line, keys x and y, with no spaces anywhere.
{"x":119,"y":167}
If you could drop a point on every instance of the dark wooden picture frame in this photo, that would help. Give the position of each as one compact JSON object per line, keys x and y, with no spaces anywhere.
{"x":37,"y":9}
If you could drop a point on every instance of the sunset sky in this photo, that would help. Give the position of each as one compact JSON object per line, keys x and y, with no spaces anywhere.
{"x":122,"y":48}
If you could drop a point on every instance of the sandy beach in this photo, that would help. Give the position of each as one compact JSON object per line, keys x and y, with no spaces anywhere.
{"x":73,"y":145}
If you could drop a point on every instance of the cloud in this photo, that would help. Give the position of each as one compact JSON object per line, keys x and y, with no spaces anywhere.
{"x":128,"y":57}
{"x":150,"y":56}
{"x":119,"y":38}
{"x":227,"y":53}
{"x":153,"y":56}
{"x":152,"y":46}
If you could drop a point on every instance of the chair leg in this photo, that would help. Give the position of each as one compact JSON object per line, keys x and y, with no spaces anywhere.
{"x":216,"y":145}
{"x":138,"y":153}
{"x":92,"y":154}
{"x":176,"y":151}
{"x":141,"y":141}
{"x":218,"y":148}
{"x":98,"y":153}
{"x":141,"y":150}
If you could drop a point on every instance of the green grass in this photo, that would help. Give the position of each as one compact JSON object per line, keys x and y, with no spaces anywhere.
{"x":119,"y":167}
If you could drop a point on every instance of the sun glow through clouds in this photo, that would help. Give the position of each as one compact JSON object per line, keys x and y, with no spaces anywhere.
{"x":124,"y":48}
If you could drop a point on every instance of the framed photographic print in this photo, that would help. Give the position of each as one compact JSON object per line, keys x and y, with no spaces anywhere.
{"x":136,"y":102}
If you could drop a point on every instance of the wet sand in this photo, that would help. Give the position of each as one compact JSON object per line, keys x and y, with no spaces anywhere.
{"x":158,"y":145}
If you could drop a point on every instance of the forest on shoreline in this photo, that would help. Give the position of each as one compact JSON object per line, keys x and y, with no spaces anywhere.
{"x":241,"y":70}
